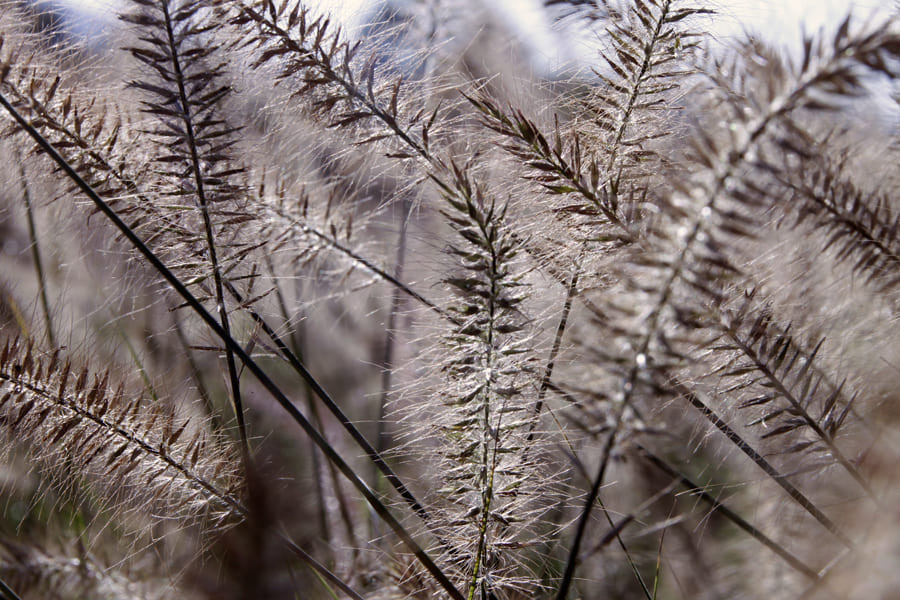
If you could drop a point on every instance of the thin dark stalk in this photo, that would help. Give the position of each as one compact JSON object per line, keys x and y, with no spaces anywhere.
{"x":207,"y":224}
{"x":343,"y":507}
{"x":616,"y":531}
{"x":572,"y":560}
{"x":332,"y":406}
{"x":36,"y":255}
{"x":382,"y":438}
{"x":763,"y":464}
{"x":196,"y":375}
{"x":732,"y":516}
{"x":7,"y":591}
{"x":367,"y":264}
{"x":551,"y":360}
{"x":248,"y":361}
{"x":659,"y":552}
{"x":628,"y":389}
{"x":293,"y":335}
{"x":321,"y":505}
{"x":320,"y":568}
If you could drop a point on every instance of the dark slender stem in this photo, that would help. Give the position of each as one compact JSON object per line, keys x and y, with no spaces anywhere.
{"x":732,"y":516}
{"x":8,"y":594}
{"x":551,"y":360}
{"x":343,"y":507}
{"x":332,"y":406}
{"x":196,"y":374}
{"x":763,"y":464}
{"x":203,"y":202}
{"x":616,"y":533}
{"x":387,"y":357}
{"x":36,"y":255}
{"x":366,"y":263}
{"x":295,"y":337}
{"x":572,"y":560}
{"x":382,"y":437}
{"x":319,"y":476}
{"x":320,"y":568}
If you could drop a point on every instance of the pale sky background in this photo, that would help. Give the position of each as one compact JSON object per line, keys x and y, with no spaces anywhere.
{"x":777,"y":20}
